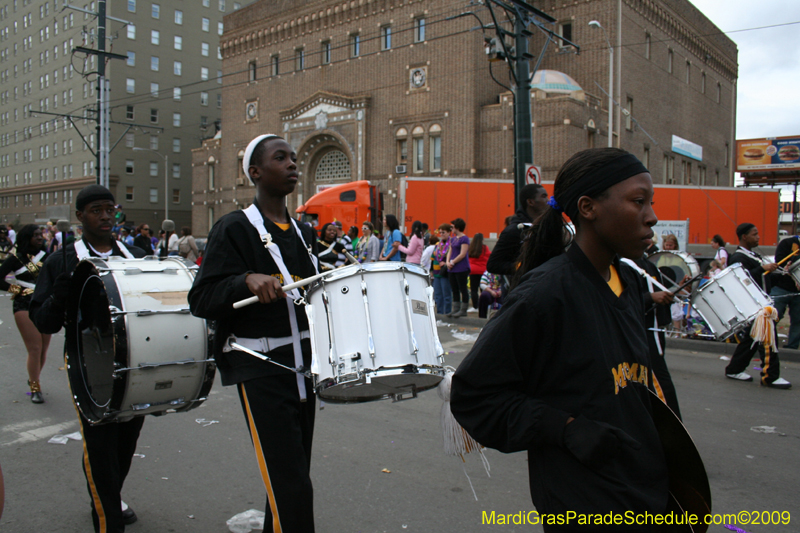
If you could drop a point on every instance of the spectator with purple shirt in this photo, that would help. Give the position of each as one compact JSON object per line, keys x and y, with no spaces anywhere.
{"x":458,"y":268}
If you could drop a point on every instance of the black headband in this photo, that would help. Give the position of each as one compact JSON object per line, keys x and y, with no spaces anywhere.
{"x":92,"y":193}
{"x":593,"y":183}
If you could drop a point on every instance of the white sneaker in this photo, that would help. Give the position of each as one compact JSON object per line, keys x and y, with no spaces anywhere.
{"x":741,"y":376}
{"x":472,"y":310}
{"x":779,"y":383}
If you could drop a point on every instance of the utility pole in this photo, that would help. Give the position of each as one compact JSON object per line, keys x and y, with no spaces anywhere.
{"x":102,"y":112}
{"x":523,"y":15}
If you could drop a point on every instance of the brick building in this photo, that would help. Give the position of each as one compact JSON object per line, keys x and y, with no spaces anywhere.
{"x":379,"y":89}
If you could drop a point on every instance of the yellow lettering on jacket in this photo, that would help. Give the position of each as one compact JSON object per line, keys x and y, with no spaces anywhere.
{"x":626,"y":373}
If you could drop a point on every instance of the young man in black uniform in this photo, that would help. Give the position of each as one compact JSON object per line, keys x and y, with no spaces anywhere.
{"x":255,"y":252}
{"x":747,"y":348}
{"x":505,"y":254}
{"x":107,"y":448}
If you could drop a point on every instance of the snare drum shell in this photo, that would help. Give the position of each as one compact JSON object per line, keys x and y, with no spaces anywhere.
{"x":729,"y":301}
{"x":152,"y":332}
{"x":340,"y":329}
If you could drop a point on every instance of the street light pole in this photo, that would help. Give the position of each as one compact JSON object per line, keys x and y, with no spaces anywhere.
{"x":596,"y":24}
{"x":166,"y":176}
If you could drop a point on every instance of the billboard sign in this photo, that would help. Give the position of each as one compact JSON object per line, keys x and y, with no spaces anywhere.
{"x":772,"y":153}
{"x":687,"y":148}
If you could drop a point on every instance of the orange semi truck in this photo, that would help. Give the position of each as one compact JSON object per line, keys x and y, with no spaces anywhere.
{"x":485,"y":204}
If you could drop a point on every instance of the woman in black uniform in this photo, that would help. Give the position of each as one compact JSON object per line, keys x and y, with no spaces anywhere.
{"x":562,"y":370}
{"x":25,"y":265}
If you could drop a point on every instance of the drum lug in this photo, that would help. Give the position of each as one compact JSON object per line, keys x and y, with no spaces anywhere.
{"x":350,"y":363}
{"x":408,"y":394}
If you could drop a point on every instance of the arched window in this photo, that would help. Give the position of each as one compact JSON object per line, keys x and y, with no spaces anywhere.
{"x":435,"y":135}
{"x":212,"y":167}
{"x":419,"y":148}
{"x":402,"y":146}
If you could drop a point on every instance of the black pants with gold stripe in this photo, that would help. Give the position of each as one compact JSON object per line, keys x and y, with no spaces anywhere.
{"x":281,"y":428}
{"x":107,"y":453}
{"x":744,"y":353}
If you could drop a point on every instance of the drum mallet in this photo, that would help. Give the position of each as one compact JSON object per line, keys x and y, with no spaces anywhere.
{"x":63,"y":226}
{"x":286,"y":288}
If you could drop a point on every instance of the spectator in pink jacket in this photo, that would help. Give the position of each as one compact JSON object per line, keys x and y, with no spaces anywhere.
{"x":415,"y":246}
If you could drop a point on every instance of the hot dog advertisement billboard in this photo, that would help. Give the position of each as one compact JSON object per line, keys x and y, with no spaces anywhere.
{"x":774,"y":153}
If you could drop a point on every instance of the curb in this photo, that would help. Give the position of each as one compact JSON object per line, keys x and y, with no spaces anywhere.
{"x":724,"y":348}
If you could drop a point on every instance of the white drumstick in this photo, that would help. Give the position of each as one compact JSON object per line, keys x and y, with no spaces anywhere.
{"x":286,"y":288}
{"x":644,"y":273}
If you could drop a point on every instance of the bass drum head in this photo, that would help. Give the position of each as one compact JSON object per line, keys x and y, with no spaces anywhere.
{"x":675,"y":265}
{"x":91,"y":350}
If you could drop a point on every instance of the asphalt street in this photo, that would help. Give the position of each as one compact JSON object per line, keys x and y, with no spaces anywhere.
{"x":377,"y":467}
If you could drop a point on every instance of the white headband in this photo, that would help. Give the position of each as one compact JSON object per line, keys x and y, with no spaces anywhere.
{"x":248,"y":152}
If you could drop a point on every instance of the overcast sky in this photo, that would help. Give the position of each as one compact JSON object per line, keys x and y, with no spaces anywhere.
{"x":769,"y":63}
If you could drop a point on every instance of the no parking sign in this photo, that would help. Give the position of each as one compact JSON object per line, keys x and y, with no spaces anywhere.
{"x":533,"y":175}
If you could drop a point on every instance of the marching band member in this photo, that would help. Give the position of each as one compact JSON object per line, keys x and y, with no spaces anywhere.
{"x":562,"y":370}
{"x":107,"y":448}
{"x":255,"y":252}
{"x":25,"y":265}
{"x":747,"y":348}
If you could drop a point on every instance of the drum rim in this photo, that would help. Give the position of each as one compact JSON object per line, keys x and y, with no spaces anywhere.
{"x":354,"y":270}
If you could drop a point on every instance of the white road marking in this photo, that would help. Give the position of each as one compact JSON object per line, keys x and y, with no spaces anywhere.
{"x":37,"y":433}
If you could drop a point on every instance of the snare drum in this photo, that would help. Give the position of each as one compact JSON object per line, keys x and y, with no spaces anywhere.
{"x":133,"y":348}
{"x":373,"y":333}
{"x":729,"y":301}
{"x":794,"y":271}
{"x":675,"y":265}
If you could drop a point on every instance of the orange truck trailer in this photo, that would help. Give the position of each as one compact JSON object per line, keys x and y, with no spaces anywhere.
{"x":485,"y":204}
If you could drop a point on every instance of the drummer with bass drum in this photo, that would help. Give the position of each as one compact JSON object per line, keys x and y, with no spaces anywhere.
{"x":108,"y":448}
{"x":254,"y":252}
{"x":760,"y":269}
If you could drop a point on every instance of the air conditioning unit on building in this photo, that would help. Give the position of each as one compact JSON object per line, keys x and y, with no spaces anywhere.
{"x":400,"y":169}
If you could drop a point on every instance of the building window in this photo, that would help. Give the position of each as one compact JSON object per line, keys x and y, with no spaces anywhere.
{"x":178,"y":17}
{"x":130,"y":85}
{"x":155,"y":11}
{"x":418,"y":149}
{"x":646,"y":158}
{"x":702,"y":177}
{"x":176,"y":196}
{"x":129,"y":166}
{"x":355,"y":45}
{"x":131,"y":59}
{"x":212,"y":169}
{"x":386,"y":37}
{"x":703,"y":83}
{"x":565,"y":30}
{"x":719,"y":92}
{"x":155,"y":36}
{"x":177,"y":68}
{"x":205,"y":24}
{"x":153,"y":169}
{"x":176,"y":145}
{"x":220,"y":28}
{"x":668,"y":168}
{"x":132,"y":6}
{"x":669,"y":61}
{"x":436,"y":152}
{"x":129,"y":140}
{"x":176,"y":170}
{"x":419,"y":29}
{"x":210,"y":218}
{"x":153,"y":195}
{"x":299,"y":59}
{"x":204,"y":49}
{"x":154,"y":116}
{"x":204,"y":73}
{"x":154,"y":90}
{"x":131,"y":32}
{"x":222,"y":5}
{"x":276,"y":61}
{"x":688,"y":71}
{"x":219,"y":100}
{"x":203,"y":98}
{"x":154,"y":142}
{"x":326,"y":52}
{"x":178,"y":43}
{"x":154,"y":63}
{"x":628,"y":117}
{"x":402,"y":146}
{"x":647,"y":46}
{"x":176,"y":94}
{"x":128,"y":194}
{"x":176,"y":120}
{"x":252,"y":69}
{"x":727,"y":153}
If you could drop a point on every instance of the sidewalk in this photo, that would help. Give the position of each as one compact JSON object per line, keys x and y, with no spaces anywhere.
{"x":724,"y":348}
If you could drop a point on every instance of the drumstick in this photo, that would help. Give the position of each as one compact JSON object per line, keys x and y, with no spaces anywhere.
{"x":286,"y":288}
{"x":782,"y":261}
{"x":350,"y":257}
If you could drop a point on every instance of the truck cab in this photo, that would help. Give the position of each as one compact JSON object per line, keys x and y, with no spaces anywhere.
{"x":349,"y":203}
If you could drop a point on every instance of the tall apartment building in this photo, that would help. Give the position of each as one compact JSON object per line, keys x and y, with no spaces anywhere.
{"x":380,"y":89}
{"x":165,"y":99}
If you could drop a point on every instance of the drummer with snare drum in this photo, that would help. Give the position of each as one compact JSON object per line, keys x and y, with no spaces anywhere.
{"x":108,"y":448}
{"x":255,"y":252}
{"x":759,"y":268}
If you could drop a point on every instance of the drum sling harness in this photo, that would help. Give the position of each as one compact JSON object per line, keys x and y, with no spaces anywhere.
{"x":254,"y":216}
